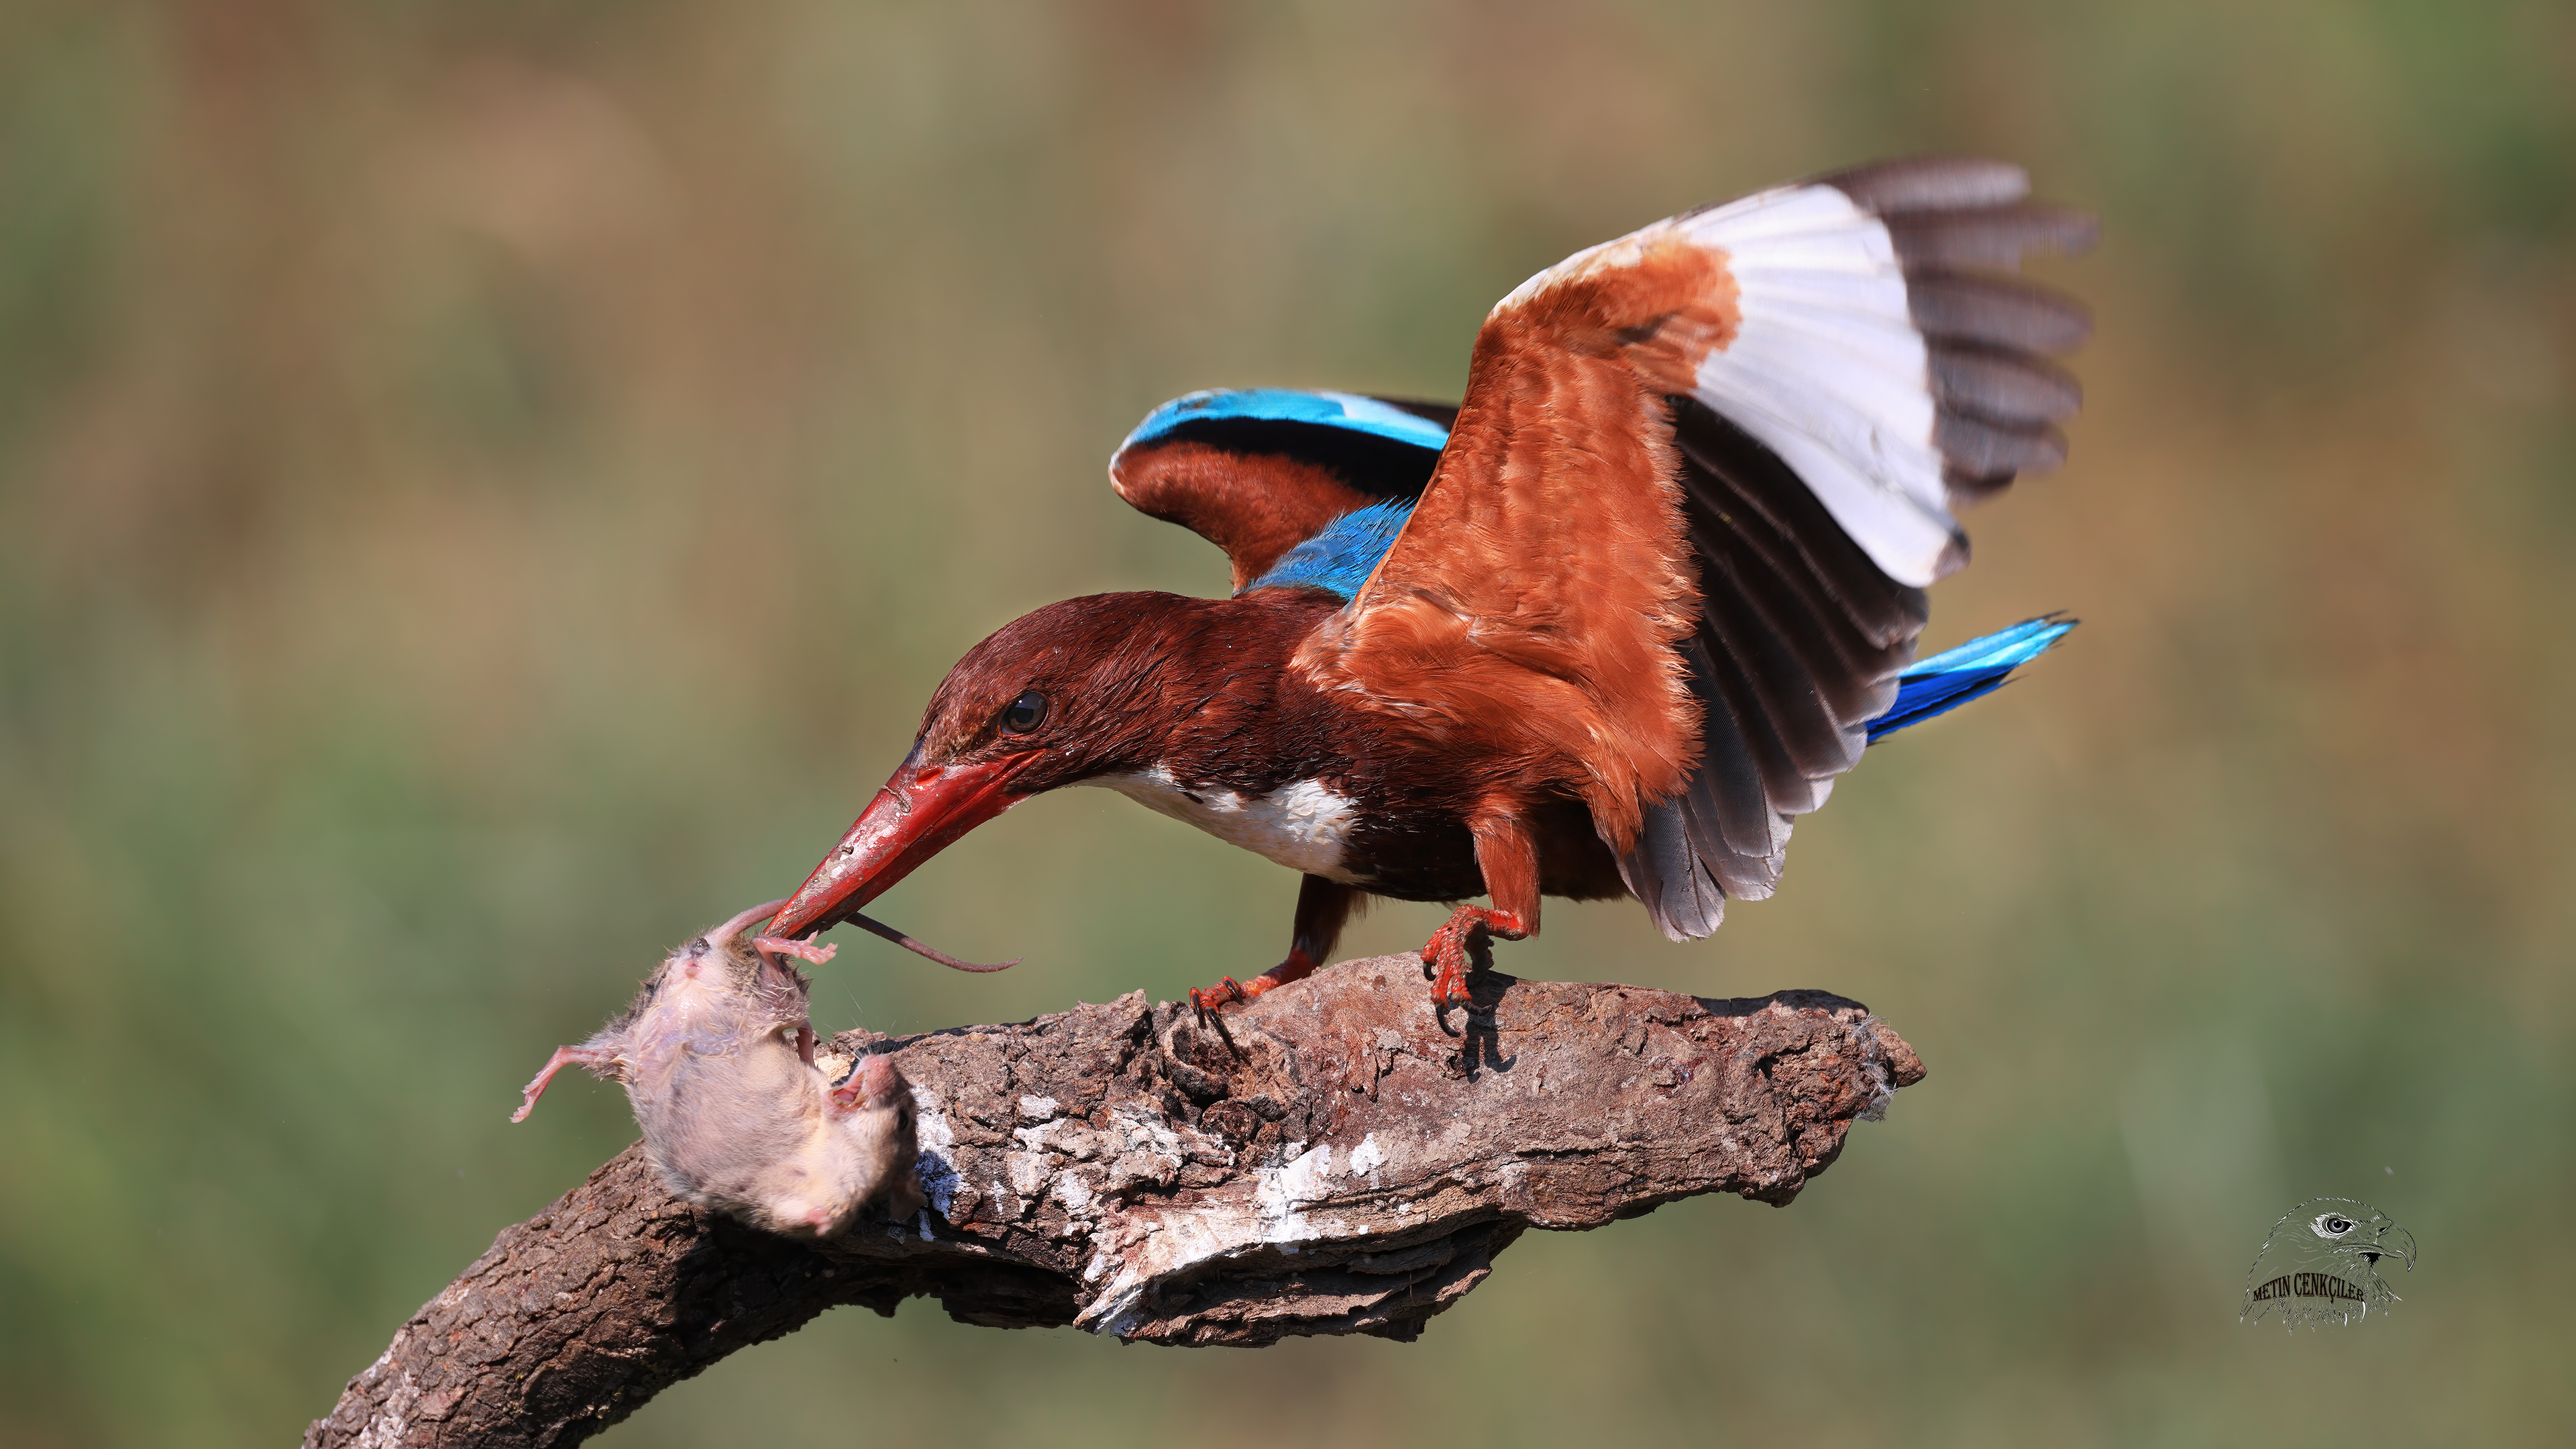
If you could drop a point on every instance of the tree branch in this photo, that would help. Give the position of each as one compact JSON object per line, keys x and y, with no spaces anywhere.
{"x":1335,"y":1162}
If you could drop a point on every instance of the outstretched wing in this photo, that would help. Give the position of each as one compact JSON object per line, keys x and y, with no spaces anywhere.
{"x":1299,"y":488}
{"x":1673,"y":556}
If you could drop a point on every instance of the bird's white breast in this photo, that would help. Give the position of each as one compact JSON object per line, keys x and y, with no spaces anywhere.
{"x":1303,"y":825}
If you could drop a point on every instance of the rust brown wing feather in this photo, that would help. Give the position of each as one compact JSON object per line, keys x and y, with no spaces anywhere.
{"x":1674,"y":556}
{"x":1532,"y":604}
{"x":1258,"y":471}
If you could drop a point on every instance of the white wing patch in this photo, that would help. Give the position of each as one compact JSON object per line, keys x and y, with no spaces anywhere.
{"x":1828,"y":370}
{"x":1303,"y":826}
{"x":1866,"y":333}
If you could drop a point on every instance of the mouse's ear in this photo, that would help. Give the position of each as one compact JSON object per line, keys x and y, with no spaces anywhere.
{"x":873,"y":1082}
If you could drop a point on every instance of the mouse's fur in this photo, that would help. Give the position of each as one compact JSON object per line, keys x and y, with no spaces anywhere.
{"x":717,"y":1058}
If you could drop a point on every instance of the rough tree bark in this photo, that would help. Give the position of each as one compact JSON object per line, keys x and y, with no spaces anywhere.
{"x":1338,"y":1162}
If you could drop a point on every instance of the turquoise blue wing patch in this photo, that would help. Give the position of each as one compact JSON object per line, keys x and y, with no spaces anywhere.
{"x":1383,"y":450}
{"x":1341,"y":558}
{"x":1345,"y":412}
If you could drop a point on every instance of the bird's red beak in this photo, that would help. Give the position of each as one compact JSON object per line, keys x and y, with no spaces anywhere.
{"x":922,"y":811}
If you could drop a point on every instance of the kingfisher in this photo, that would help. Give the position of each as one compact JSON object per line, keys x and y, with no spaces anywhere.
{"x":1603,"y":629}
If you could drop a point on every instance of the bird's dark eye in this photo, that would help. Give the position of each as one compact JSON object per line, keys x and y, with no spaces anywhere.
{"x":2336,"y":1227}
{"x":1025,"y":714}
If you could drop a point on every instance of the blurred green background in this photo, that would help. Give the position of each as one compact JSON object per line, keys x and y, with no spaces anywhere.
{"x":486,"y":487}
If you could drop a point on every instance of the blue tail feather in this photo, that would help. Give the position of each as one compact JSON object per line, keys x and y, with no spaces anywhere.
{"x":1952,"y":677}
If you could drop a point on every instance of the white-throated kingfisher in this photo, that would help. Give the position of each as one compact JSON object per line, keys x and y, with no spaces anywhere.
{"x":1605,"y":628}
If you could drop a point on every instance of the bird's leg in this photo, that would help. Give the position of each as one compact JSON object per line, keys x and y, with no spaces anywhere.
{"x":1508,"y":857}
{"x":1323,"y":908}
{"x":565,"y":1056}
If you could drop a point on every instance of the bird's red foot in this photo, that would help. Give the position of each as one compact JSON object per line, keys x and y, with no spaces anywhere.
{"x":1450,"y":950}
{"x":1229,"y":991}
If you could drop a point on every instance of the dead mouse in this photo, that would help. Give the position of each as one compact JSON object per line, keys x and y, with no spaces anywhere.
{"x":717,"y":1058}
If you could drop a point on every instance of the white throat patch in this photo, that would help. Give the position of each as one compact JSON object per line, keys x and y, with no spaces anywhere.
{"x":1302,"y":826}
